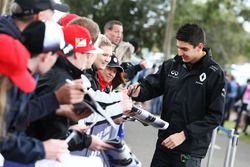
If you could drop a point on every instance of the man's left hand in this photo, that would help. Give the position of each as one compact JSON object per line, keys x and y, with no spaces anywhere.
{"x":174,"y":140}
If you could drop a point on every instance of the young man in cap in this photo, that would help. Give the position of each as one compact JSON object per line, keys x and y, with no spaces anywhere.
{"x":43,"y":39}
{"x":192,"y":85}
{"x":69,"y":67}
{"x":14,"y":144}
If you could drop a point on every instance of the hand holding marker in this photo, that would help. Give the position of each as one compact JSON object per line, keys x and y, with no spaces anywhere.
{"x":146,"y":117}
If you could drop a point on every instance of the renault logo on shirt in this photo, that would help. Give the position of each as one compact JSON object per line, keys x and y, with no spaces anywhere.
{"x":202,"y":78}
{"x":173,"y":74}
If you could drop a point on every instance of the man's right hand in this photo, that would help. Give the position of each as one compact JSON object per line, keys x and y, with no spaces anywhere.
{"x":70,"y":93}
{"x":126,"y":101}
{"x":134,"y":90}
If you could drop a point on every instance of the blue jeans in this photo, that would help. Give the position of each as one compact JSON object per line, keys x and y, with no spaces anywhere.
{"x":167,"y":159}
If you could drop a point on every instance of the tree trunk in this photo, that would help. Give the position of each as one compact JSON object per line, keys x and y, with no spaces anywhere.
{"x":168,"y":32}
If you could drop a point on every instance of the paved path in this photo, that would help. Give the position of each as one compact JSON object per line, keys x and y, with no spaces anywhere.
{"x":142,"y":142}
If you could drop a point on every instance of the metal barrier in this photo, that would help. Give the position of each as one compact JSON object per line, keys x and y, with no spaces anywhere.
{"x":231,"y":147}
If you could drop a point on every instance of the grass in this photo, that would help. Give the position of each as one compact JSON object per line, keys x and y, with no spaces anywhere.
{"x":242,"y":137}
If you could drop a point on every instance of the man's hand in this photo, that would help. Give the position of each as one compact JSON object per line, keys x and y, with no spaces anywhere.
{"x":54,"y":149}
{"x":174,"y":140}
{"x":126,"y":101}
{"x":134,"y":90}
{"x":70,"y":93}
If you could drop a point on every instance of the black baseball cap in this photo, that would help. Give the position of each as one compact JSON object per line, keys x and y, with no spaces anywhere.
{"x":114,"y":63}
{"x":44,"y":36}
{"x":30,"y":7}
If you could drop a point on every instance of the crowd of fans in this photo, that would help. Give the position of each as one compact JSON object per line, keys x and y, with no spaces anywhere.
{"x":43,"y":96}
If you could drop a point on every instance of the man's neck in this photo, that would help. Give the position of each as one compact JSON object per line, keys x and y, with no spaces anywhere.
{"x":202,"y":54}
{"x":75,"y":62}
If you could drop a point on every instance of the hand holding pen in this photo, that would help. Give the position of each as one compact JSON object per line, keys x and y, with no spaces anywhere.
{"x":70,"y":93}
{"x":134,"y":90}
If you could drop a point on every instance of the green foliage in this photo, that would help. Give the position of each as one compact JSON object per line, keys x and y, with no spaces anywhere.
{"x":146,"y":20}
{"x":142,"y":19}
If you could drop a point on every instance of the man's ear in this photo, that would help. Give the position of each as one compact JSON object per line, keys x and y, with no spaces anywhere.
{"x":106,"y":31}
{"x":200,"y":46}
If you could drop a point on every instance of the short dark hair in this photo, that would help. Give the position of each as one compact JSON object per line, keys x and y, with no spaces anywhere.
{"x":191,"y":33}
{"x":109,"y":24}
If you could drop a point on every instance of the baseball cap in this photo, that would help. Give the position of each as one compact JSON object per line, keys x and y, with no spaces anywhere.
{"x":14,"y":61}
{"x":30,"y":7}
{"x":79,"y":37}
{"x":44,"y":36}
{"x":115,"y":63}
{"x":63,"y":21}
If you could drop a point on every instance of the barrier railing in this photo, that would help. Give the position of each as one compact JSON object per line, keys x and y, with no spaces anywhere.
{"x":231,"y":146}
